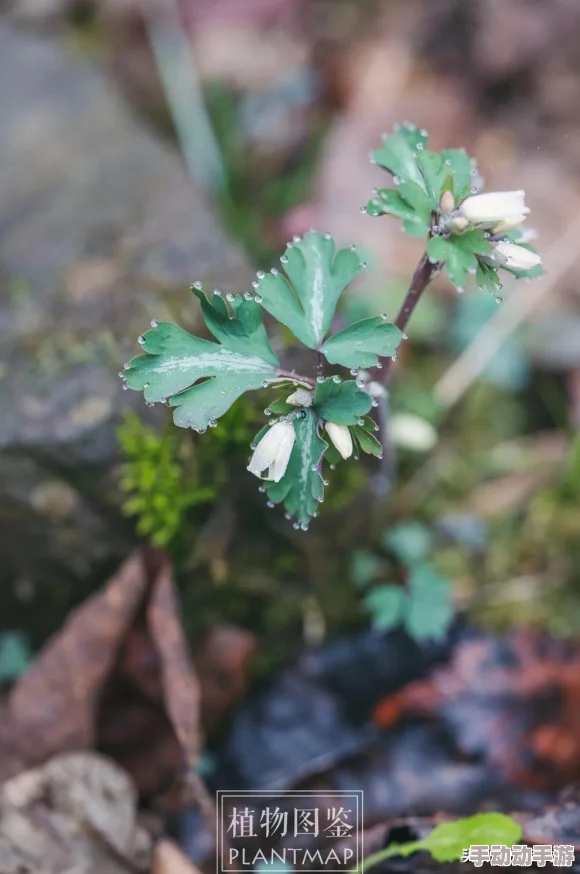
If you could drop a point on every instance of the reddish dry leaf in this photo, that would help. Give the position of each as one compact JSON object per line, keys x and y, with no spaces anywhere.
{"x":514,"y":702}
{"x":117,"y":678}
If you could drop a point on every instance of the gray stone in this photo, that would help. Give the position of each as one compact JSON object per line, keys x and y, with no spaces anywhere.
{"x":101,"y":230}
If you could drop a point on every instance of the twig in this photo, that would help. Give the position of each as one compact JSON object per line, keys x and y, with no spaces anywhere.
{"x":306,"y":381}
{"x":421,"y":279}
{"x":517,"y":309}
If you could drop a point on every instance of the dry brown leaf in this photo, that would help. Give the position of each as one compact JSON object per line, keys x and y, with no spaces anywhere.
{"x":117,"y":678}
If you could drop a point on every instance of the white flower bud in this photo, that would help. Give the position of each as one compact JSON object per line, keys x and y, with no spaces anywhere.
{"x":273,"y":451}
{"x":447,"y":202}
{"x":375,"y":389}
{"x":458,"y":223}
{"x":340,"y":437}
{"x":494,"y":206}
{"x":518,"y":258}
{"x":412,"y":432}
{"x":507,"y":224}
{"x":302,"y":397}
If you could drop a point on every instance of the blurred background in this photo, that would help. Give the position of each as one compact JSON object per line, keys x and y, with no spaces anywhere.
{"x":146,"y":144}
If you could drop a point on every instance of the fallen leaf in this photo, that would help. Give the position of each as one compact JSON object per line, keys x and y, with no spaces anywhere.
{"x":512,"y":703}
{"x":117,"y":678}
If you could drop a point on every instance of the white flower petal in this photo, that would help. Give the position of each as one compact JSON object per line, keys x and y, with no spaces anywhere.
{"x":518,"y":258}
{"x":494,"y":206}
{"x":302,"y":397}
{"x":507,"y":224}
{"x":340,"y":436}
{"x":273,"y":451}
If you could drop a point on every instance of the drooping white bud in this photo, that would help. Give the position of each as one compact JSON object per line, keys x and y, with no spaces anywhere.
{"x":273,"y":451}
{"x":375,"y":389}
{"x":508,"y":224}
{"x":518,"y":257}
{"x":340,"y":437}
{"x":447,"y":202}
{"x":494,"y":206}
{"x":302,"y":397}
{"x":412,"y":432}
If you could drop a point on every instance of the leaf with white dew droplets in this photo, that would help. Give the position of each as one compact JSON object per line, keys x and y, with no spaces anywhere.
{"x":305,"y":299}
{"x":361,"y":343}
{"x":175,"y":362}
{"x":301,"y":488}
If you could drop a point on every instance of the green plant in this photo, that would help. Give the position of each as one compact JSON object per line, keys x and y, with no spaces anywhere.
{"x":154,"y":475}
{"x":422,"y":603}
{"x":324,"y":418}
{"x":450,"y":841}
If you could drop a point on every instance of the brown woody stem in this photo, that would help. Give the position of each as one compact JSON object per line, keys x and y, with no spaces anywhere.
{"x":421,"y":279}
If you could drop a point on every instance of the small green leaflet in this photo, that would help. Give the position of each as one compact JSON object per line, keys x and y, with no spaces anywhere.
{"x":421,"y":176}
{"x":341,"y":402}
{"x":367,"y":442}
{"x":301,"y":488}
{"x":361,"y":343}
{"x":424,"y":606}
{"x":175,"y":361}
{"x":462,"y":168}
{"x":448,"y":840}
{"x":430,"y":608}
{"x":15,"y":655}
{"x":306,"y":300}
{"x":398,"y":154}
{"x":388,"y":201}
{"x":386,"y":604}
{"x":460,"y":254}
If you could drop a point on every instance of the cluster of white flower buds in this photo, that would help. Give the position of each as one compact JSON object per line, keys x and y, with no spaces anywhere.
{"x":498,"y":212}
{"x":273,"y":451}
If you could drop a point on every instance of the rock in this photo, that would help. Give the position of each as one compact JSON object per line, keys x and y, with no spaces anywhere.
{"x":101,"y":230}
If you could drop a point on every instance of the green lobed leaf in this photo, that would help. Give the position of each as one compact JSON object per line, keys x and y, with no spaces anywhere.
{"x":342,"y":403}
{"x":305,"y":299}
{"x":361,"y":343}
{"x":458,"y":259}
{"x":385,"y":604}
{"x":280,"y":407}
{"x":486,"y":277}
{"x":176,"y":361}
{"x":434,"y":173}
{"x":301,"y":487}
{"x":460,"y":165}
{"x":367,"y":442}
{"x":387,"y":201}
{"x":430,"y":610}
{"x":398,"y":153}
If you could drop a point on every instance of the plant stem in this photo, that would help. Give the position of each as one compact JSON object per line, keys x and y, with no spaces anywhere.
{"x":306,"y":381}
{"x":421,"y":279}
